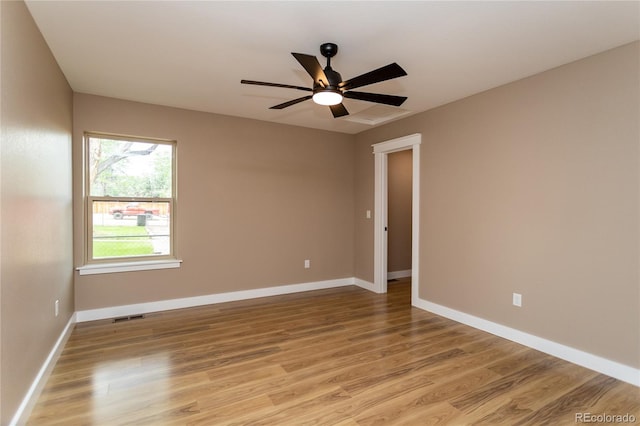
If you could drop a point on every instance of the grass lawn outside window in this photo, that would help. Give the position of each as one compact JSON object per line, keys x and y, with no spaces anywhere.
{"x":121,"y":241}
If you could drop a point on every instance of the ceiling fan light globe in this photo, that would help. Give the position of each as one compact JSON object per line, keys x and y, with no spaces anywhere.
{"x":327,"y":97}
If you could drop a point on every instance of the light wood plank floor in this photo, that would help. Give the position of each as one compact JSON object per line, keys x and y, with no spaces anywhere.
{"x":333,"y":357}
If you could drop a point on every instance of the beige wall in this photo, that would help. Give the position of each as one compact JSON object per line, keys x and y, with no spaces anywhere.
{"x":400,"y":166}
{"x":532,"y":187}
{"x":36,"y":209}
{"x":364,"y":200}
{"x":255,"y":200}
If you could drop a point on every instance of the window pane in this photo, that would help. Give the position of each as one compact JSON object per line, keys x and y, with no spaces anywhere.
{"x":131,"y":229}
{"x":119,"y":168}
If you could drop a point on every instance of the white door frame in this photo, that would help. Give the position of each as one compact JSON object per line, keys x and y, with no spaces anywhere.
{"x":381,"y":151}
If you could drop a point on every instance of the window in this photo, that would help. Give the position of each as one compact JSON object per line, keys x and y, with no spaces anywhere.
{"x":130,"y":191}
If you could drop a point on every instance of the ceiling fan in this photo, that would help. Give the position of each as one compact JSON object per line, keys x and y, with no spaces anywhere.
{"x":329,"y":88}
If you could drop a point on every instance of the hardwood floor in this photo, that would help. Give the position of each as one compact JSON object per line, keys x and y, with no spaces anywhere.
{"x":333,"y":357}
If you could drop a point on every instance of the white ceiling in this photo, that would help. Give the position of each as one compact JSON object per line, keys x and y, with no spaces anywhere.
{"x":194,"y":54}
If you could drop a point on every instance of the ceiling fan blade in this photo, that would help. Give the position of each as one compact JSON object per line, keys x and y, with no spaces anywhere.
{"x":338,"y":110}
{"x":312,"y":66}
{"x":286,"y":86}
{"x":293,"y":102}
{"x":381,"y":74}
{"x":376,"y":97}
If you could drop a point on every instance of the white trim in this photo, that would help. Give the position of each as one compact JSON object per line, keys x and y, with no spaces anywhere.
{"x":188,"y":302}
{"x":380,"y":224}
{"x":415,"y":219}
{"x":381,"y":150}
{"x":398,"y":274}
{"x":24,"y":410}
{"x":398,"y":144}
{"x":109,"y":268}
{"x":364,"y":284}
{"x":593,"y":362}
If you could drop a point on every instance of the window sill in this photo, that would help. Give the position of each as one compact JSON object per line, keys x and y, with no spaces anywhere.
{"x":109,"y":268}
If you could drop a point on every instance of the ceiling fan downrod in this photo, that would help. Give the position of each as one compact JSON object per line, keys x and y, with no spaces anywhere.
{"x":329,"y":50}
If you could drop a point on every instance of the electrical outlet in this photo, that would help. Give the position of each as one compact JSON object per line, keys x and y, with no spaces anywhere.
{"x":368,"y":214}
{"x":517,"y":299}
{"x":56,"y":307}
{"x":307,"y":264}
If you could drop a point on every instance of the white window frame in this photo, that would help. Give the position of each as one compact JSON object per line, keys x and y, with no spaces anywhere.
{"x":126,"y":264}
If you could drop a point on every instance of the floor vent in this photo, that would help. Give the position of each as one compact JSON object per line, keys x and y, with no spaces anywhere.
{"x":128,"y":318}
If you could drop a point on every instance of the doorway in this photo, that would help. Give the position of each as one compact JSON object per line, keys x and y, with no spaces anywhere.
{"x":399,"y":175}
{"x":381,"y":151}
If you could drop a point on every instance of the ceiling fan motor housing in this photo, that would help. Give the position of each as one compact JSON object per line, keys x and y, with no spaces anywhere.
{"x":334,"y":78}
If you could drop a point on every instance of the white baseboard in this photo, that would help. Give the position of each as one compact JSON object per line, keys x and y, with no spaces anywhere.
{"x":593,"y":362}
{"x":363,"y":284}
{"x":24,"y":410}
{"x":188,"y":302}
{"x":398,"y":274}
